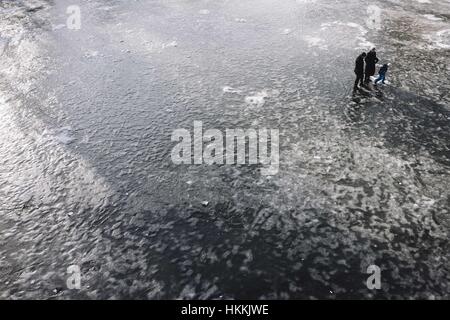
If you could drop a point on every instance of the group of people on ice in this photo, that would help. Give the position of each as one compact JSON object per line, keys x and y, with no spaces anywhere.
{"x":365,"y":66}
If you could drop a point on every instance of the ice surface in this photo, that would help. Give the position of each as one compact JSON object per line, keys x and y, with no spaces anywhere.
{"x":86,"y":176}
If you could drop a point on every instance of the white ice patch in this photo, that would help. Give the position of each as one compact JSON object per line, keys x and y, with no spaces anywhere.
{"x":432,"y":17}
{"x":156,"y":46}
{"x":170,"y":44}
{"x":423,"y":1}
{"x":228,"y":89}
{"x":359,"y":27}
{"x":90,"y":54}
{"x":63,"y":135}
{"x":364,"y":43}
{"x":204,"y":12}
{"x":287,"y":31}
{"x":240,"y":20}
{"x":60,"y":135}
{"x":258,"y":99}
{"x":315,"y":42}
{"x":440,"y":40}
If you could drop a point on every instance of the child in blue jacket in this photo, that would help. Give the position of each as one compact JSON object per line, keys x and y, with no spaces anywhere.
{"x":382,"y":73}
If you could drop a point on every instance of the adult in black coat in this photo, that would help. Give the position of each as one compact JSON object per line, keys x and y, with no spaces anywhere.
{"x":371,"y":61}
{"x":359,"y":69}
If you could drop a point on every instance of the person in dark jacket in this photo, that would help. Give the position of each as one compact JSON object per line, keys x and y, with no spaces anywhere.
{"x":359,"y":69}
{"x":371,"y":61}
{"x":382,"y":74}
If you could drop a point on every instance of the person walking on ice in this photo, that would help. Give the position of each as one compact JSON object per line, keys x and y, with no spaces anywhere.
{"x":359,"y":70}
{"x":371,"y":61}
{"x":382,"y":74}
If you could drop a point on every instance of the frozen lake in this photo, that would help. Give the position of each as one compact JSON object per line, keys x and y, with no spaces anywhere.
{"x":86,"y":177}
